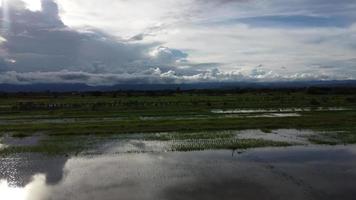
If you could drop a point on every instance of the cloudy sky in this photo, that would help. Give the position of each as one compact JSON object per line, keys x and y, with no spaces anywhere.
{"x":106,"y":42}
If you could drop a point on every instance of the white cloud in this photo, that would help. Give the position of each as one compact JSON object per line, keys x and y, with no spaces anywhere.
{"x":122,"y":17}
{"x":33,"y":5}
{"x":2,"y":39}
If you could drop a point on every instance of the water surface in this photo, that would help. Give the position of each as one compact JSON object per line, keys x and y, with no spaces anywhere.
{"x":304,"y":172}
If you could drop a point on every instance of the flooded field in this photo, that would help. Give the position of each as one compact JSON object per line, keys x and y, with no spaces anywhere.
{"x":153,"y":164}
{"x":313,"y":172}
{"x":179,"y":146}
{"x":162,"y":141}
{"x":212,"y":114}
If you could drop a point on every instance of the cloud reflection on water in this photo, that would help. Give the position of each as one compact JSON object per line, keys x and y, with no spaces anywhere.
{"x":288,"y":173}
{"x":35,"y":190}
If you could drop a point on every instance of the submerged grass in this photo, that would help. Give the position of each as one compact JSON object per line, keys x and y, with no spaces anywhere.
{"x":48,"y":149}
{"x":198,"y":145}
{"x":189,"y":136}
{"x":335,"y":137}
{"x":56,"y":145}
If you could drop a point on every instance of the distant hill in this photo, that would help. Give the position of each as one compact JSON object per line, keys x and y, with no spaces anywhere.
{"x":156,"y":87}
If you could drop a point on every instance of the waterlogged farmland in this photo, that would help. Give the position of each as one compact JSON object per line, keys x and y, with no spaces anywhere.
{"x":58,"y":119}
{"x":178,"y":145}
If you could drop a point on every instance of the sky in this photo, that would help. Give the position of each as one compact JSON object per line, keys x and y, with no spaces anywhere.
{"x":108,"y":42}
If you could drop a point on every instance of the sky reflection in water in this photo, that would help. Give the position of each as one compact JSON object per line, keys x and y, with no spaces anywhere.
{"x":293,"y":173}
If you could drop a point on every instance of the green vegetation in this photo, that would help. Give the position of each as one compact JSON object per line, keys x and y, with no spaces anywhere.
{"x":333,"y":120}
{"x":71,"y":121}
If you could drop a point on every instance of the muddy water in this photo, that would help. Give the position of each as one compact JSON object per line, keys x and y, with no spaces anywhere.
{"x":314,"y":172}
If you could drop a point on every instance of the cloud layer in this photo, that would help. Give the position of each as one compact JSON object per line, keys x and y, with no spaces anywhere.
{"x":156,"y":76}
{"x":168,"y":41}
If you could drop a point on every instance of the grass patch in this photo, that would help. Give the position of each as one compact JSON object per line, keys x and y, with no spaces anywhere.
{"x":319,"y":121}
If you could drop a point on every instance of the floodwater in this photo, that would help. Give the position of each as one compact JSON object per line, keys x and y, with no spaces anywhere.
{"x":279,"y":110}
{"x":41,"y":119}
{"x":135,"y":146}
{"x":33,"y":140}
{"x":304,"y":172}
{"x":137,"y":143}
{"x":279,"y":135}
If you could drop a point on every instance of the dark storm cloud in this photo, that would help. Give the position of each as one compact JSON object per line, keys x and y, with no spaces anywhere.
{"x":39,"y":41}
